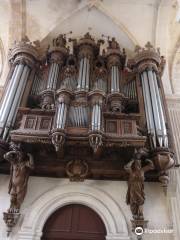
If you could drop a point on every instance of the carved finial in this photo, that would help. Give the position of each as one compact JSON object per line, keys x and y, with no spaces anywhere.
{"x":25,"y":39}
{"x":60,"y":41}
{"x":88,"y":36}
{"x":149,"y":46}
{"x":137,"y":49}
{"x":113,"y":44}
{"x":36,"y":43}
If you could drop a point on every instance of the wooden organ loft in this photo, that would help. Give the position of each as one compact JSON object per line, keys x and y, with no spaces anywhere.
{"x":84,"y":106}
{"x":83,"y":112}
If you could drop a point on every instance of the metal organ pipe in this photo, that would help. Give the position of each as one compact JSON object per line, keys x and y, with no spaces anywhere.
{"x":96,"y":118}
{"x":115,"y":79}
{"x":53,"y":76}
{"x":148,"y":107}
{"x":80,"y":74}
{"x":7,"y":93}
{"x":155,"y":107}
{"x":84,"y":73}
{"x":16,"y":101}
{"x":8,"y":99}
{"x":87,"y":74}
{"x":161,"y":113}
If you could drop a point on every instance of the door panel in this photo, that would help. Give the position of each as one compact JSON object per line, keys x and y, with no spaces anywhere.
{"x":74,"y":222}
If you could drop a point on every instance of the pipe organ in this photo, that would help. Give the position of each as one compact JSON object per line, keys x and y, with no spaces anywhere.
{"x":153,"y":108}
{"x":81,"y":114}
{"x":86,"y":105}
{"x":84,"y":71}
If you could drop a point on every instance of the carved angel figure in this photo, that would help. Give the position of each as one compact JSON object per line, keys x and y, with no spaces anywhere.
{"x":21,"y":164}
{"x":135,"y":196}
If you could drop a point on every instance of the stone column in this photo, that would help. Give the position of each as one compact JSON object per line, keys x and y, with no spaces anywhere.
{"x":22,"y":57}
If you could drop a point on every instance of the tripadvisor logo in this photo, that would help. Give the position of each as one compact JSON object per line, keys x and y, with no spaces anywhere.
{"x":139,"y":231}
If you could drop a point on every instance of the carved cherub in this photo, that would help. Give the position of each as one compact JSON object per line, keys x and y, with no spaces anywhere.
{"x":135,"y":196}
{"x":21,"y":164}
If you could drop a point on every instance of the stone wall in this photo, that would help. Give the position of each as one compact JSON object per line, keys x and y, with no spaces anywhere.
{"x":1,"y":90}
{"x":107,"y":198}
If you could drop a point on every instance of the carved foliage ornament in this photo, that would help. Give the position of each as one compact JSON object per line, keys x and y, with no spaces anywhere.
{"x":77,"y":170}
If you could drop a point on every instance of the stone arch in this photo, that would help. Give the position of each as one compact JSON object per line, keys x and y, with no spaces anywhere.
{"x":96,"y":199}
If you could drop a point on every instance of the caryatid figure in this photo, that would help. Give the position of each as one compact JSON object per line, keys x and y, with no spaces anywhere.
{"x":21,"y":164}
{"x":135,"y":196}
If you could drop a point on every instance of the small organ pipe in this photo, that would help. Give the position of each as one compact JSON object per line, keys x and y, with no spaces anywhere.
{"x":117,"y":78}
{"x":92,"y":120}
{"x":64,"y":116}
{"x":99,"y":117}
{"x":80,"y":74}
{"x":112,"y":89}
{"x":87,"y":74}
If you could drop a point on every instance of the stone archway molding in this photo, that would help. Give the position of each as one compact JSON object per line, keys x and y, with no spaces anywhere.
{"x":61,"y":195}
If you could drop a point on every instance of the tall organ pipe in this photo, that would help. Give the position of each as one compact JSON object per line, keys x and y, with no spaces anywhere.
{"x":96,"y":118}
{"x":16,"y":101}
{"x":8,"y":99}
{"x":84,"y":73}
{"x":148,"y":107}
{"x":87,"y":75}
{"x":114,"y":79}
{"x":153,"y":108}
{"x":53,"y":76}
{"x":80,"y":74}
{"x":161,"y":113}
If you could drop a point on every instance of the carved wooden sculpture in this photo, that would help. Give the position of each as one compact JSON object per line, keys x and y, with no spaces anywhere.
{"x":135,"y":195}
{"x":21,"y":164}
{"x":58,"y":101}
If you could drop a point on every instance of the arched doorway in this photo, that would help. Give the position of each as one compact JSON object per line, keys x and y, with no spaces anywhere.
{"x":74,"y":222}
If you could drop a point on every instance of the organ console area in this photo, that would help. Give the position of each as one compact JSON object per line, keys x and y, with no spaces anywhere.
{"x":63,"y":106}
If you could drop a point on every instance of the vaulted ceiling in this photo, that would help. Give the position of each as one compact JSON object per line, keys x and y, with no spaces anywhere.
{"x":132,"y":22}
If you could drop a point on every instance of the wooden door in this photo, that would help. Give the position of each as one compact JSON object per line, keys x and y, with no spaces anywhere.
{"x":74,"y":222}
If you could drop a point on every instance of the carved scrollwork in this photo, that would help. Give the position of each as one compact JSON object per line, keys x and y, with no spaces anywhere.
{"x":10,"y":220}
{"x":47,"y":100}
{"x":95,"y":141}
{"x":58,"y":139}
{"x":77,"y":170}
